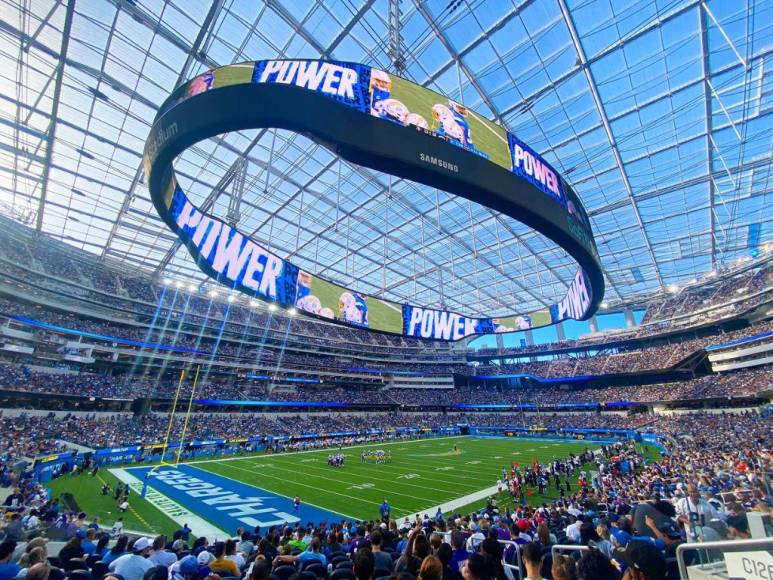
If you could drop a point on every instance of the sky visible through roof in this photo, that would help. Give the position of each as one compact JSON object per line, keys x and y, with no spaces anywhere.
{"x":657,"y":112}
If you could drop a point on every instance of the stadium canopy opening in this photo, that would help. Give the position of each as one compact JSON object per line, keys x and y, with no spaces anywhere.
{"x":657,"y":112}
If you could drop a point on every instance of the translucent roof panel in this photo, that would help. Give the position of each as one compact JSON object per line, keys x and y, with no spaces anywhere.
{"x":657,"y":112}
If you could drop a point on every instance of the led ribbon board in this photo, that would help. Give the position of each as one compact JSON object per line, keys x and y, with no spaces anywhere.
{"x":384,"y":122}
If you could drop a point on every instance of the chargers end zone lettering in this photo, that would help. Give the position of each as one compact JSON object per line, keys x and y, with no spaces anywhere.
{"x":227,"y":503}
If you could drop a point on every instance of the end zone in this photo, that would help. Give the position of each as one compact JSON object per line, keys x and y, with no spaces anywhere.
{"x":225,"y":502}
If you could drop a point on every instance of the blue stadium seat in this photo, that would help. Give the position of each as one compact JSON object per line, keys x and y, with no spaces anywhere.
{"x":99,"y":569}
{"x":285,"y":571}
{"x":316,"y":568}
{"x":343,"y":574}
{"x":75,"y":564}
{"x":80,"y":575}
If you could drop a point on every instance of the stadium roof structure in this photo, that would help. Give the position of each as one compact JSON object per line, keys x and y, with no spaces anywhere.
{"x":658,"y":112}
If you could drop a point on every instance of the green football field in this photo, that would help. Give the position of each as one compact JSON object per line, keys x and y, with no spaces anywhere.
{"x":422,"y":475}
{"x":381,"y":315}
{"x":487,"y":136}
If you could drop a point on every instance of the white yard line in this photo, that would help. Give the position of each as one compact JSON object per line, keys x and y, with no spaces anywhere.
{"x":450,"y":506}
{"x":392,"y":306}
{"x":487,"y":127}
{"x":171,"y":508}
{"x":328,"y":449}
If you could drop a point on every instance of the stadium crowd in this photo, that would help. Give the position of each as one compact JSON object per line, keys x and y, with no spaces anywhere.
{"x":26,"y":436}
{"x":288,"y":359}
{"x":631,"y":512}
{"x":743,"y":383}
{"x":138,"y":299}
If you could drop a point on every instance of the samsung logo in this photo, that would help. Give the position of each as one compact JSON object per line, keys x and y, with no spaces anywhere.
{"x":432,"y":160}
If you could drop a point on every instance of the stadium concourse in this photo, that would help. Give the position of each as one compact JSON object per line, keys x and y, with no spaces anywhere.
{"x":400,"y":290}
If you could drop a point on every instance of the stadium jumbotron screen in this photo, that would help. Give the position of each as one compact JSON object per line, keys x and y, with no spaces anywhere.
{"x":378,"y":120}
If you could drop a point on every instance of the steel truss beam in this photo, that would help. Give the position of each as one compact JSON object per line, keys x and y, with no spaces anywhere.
{"x":54,"y":112}
{"x":608,"y":129}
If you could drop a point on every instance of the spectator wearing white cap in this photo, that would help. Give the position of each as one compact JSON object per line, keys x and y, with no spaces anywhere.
{"x":133,"y":566}
{"x":695,"y":513}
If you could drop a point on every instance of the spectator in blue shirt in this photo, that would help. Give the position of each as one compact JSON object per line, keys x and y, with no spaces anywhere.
{"x":460,"y":553}
{"x":313,"y":554}
{"x":8,"y":569}
{"x":88,"y":545}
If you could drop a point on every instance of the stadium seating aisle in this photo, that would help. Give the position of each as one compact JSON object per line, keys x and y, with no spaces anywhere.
{"x":625,"y":509}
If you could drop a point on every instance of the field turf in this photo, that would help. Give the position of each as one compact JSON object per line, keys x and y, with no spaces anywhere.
{"x":421,"y":475}
{"x":381,"y":316}
{"x":142,"y":517}
{"x":487,"y":136}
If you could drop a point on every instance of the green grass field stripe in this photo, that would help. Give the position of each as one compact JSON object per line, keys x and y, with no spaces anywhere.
{"x":335,"y":480}
{"x":86,"y":491}
{"x":349,"y":497}
{"x":351,"y":475}
{"x":386,"y":469}
{"x":359,"y":446}
{"x":356,"y":490}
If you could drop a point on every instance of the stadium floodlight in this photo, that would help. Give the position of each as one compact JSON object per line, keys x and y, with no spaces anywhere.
{"x":673,"y":288}
{"x":292,"y":312}
{"x":604,"y":305}
{"x":272,"y":307}
{"x":213,"y":293}
{"x":192,"y":287}
{"x":372,"y":118}
{"x":231,"y":298}
{"x":178,"y":284}
{"x":167,"y":281}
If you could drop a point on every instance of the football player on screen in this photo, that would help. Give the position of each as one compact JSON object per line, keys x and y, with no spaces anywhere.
{"x":459,"y":113}
{"x":498,"y":328}
{"x":201,"y":84}
{"x":393,"y":110}
{"x":444,"y":125}
{"x":416,"y":120}
{"x":380,"y":90}
{"x":304,"y":285}
{"x":310,"y":304}
{"x":362,"y":306}
{"x":353,"y":309}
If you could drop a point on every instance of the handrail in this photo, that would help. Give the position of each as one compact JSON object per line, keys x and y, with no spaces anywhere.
{"x":517,"y":556}
{"x":734,"y":545}
{"x":556,"y":549}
